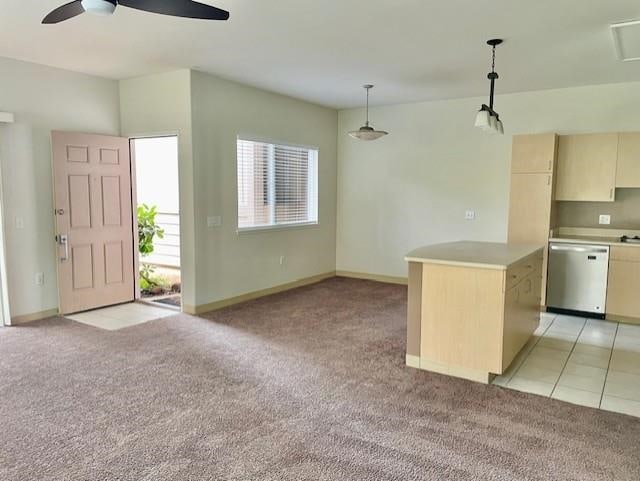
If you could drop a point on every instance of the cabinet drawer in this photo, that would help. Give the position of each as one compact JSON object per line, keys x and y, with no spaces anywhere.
{"x":517,"y":272}
{"x":624,"y":253}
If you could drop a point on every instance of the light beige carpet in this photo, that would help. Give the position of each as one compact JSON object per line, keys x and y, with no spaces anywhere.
{"x":304,"y":385}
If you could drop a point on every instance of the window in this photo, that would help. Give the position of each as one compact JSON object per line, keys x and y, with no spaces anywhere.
{"x":277,"y":185}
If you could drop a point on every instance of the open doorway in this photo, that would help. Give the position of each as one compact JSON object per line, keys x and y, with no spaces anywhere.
{"x":155,"y":161}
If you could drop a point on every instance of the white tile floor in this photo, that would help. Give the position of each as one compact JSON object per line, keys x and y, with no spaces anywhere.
{"x":121,"y":316}
{"x":582,"y":361}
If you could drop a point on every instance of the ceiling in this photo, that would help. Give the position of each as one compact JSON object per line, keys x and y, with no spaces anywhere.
{"x":324,"y":50}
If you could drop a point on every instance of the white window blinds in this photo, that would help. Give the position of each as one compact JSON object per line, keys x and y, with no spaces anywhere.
{"x":277,"y":185}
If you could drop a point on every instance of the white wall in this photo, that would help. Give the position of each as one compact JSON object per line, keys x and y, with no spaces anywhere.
{"x":161,"y":104}
{"x":230,"y":264}
{"x":412,"y":187}
{"x":43,"y":99}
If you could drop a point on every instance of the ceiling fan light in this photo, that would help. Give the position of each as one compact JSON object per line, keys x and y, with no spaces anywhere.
{"x":99,"y":7}
{"x":367,"y":133}
{"x":482,"y":120}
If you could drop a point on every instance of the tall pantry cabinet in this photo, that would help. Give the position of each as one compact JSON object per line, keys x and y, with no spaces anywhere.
{"x":531,"y":207}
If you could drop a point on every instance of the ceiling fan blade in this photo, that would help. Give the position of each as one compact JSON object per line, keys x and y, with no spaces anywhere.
{"x":64,"y":12}
{"x":178,"y":8}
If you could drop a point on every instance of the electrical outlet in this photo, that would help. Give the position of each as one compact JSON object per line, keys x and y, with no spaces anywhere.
{"x":214,"y":221}
{"x":470,"y":215}
{"x":605,"y":219}
{"x":19,"y":222}
{"x":39,"y":278}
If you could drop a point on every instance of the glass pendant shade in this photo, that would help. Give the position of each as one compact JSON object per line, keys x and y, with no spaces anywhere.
{"x":367,"y":133}
{"x":493,"y":123}
{"x":482,"y":120}
{"x":500,"y":127}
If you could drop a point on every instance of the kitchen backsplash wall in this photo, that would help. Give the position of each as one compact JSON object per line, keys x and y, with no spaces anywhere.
{"x":624,"y":212}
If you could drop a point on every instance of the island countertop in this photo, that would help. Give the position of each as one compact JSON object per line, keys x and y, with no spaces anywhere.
{"x":486,"y":255}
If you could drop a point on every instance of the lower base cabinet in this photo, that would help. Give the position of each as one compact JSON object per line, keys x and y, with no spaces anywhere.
{"x":475,"y":320}
{"x":522,"y":315}
{"x":623,"y":292}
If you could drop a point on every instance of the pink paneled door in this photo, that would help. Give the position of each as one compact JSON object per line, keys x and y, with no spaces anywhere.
{"x":94,"y":220}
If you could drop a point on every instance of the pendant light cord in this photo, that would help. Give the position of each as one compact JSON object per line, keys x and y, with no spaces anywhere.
{"x":367,"y":124}
{"x":493,"y":61}
{"x":492,"y":77}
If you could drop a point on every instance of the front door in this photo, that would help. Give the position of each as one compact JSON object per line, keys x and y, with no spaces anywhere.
{"x":94,"y":220}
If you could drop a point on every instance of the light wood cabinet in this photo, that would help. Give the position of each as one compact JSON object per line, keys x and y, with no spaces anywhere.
{"x":623,"y":291}
{"x":628,"y":168}
{"x":474,"y":319}
{"x":530,"y":208}
{"x":586,"y":168}
{"x":533,"y":153}
{"x":521,"y":315}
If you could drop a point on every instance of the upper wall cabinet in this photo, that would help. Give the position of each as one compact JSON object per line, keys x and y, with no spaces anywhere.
{"x":628,"y":173}
{"x":533,"y":154}
{"x":587,"y":167}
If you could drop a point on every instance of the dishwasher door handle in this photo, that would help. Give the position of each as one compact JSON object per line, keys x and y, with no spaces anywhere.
{"x":575,"y":248}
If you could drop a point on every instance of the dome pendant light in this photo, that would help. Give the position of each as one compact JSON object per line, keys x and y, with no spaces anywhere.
{"x":366,"y":132}
{"x":487,"y":118}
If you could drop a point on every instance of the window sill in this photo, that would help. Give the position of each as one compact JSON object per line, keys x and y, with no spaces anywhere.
{"x":268,"y":228}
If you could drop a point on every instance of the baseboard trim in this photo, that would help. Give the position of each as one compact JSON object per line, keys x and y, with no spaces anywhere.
{"x":413,"y":361}
{"x":213,"y":306}
{"x":622,"y":319}
{"x":374,"y":277}
{"x":36,"y":316}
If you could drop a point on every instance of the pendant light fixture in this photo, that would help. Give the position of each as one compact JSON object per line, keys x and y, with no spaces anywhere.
{"x":487,"y":118}
{"x":366,"y":132}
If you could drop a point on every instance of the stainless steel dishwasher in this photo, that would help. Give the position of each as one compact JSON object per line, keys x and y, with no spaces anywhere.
{"x":577,"y":278}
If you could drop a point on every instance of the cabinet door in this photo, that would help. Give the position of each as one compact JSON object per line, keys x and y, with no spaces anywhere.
{"x":587,"y":167}
{"x":623,"y":291}
{"x":533,"y":153}
{"x":521,"y":316}
{"x":628,"y":171}
{"x":530,"y":208}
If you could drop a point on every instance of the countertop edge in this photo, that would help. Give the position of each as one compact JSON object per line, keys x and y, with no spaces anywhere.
{"x":497,"y":267}
{"x":603,"y":241}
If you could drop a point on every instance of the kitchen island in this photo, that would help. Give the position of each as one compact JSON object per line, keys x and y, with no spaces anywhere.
{"x":472,"y":306}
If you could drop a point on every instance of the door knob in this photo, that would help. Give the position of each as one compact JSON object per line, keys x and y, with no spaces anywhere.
{"x":63,"y":240}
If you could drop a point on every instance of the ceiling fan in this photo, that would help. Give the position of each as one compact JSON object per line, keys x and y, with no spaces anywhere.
{"x":176,"y":8}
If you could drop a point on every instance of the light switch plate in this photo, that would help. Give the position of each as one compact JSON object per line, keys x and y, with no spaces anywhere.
{"x":470,"y":215}
{"x":19,"y":222}
{"x":605,"y":219}
{"x":39,"y":278}
{"x":214,"y":221}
